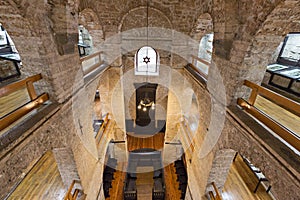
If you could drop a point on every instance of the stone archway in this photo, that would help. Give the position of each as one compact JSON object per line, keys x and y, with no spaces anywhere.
{"x":204,"y":25}
{"x":30,"y":45}
{"x":89,"y":19}
{"x":135,"y":18}
{"x":263,"y":49}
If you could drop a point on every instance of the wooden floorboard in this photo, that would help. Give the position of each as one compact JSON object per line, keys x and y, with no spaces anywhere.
{"x":241,"y":183}
{"x":154,"y":142}
{"x":42,"y":182}
{"x":286,"y":118}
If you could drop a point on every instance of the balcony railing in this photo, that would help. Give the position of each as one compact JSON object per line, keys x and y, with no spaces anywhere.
{"x":91,"y":62}
{"x":15,"y":108}
{"x":73,"y":192}
{"x":201,"y":66}
{"x":275,"y":125}
{"x":102,"y":129}
{"x":187,"y":135}
{"x":216,"y":195}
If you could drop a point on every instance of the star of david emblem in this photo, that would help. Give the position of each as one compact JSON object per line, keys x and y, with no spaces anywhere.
{"x":146,"y":59}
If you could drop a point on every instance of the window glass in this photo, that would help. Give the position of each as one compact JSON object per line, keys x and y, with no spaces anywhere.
{"x":85,"y":41}
{"x":206,"y":47}
{"x":291,"y":48}
{"x":146,"y":61}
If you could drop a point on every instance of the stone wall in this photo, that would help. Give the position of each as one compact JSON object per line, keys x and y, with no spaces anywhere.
{"x":45,"y":33}
{"x":225,"y":141}
{"x":267,"y":42}
{"x":65,"y":129}
{"x":55,"y":133}
{"x":220,"y":169}
{"x":89,"y":19}
{"x":28,"y":42}
{"x":7,"y":69}
{"x":285,"y":184}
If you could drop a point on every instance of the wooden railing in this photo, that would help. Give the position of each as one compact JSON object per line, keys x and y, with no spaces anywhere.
{"x":35,"y":101}
{"x":217,"y":195}
{"x":187,"y":134}
{"x":292,"y":106}
{"x":72,"y":195}
{"x":91,"y":62}
{"x":102,"y":129}
{"x":195,"y":65}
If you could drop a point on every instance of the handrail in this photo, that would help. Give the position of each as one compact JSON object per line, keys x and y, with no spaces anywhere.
{"x":193,"y":65}
{"x":211,"y":195}
{"x":35,"y":101}
{"x":95,"y":65}
{"x":200,"y":60}
{"x":90,"y":56}
{"x":190,"y":140}
{"x":198,"y":71}
{"x":218,"y":195}
{"x":286,"y":134}
{"x":278,"y":99}
{"x":102,"y":129}
{"x":17,"y":85}
{"x":69,"y":195}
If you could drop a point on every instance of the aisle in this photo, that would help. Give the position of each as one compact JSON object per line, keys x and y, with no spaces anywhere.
{"x":144,"y":183}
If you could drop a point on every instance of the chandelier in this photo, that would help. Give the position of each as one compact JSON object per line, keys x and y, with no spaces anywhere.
{"x":146,"y":103}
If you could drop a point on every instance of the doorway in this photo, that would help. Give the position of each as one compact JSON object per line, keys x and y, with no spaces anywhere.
{"x":145,"y":93}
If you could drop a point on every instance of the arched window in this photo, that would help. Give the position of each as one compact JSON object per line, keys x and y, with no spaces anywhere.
{"x":85,"y":41}
{"x":205,"y":52}
{"x":147,"y":61}
{"x":206,"y":47}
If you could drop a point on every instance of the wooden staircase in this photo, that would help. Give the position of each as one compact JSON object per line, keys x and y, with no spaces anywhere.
{"x":172,"y":191}
{"x":117,"y":184}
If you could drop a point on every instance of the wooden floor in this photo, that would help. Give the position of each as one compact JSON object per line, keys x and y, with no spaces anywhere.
{"x":154,"y":142}
{"x":144,"y":185}
{"x":241,"y":183}
{"x":42,"y":182}
{"x":286,"y":118}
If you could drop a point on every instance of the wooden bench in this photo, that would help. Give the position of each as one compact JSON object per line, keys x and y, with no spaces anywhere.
{"x":259,"y":175}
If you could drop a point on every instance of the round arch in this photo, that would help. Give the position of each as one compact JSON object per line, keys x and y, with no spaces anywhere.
{"x":31,"y":47}
{"x":203,"y":26}
{"x":89,"y":19}
{"x":132,"y":20}
{"x":264,"y":48}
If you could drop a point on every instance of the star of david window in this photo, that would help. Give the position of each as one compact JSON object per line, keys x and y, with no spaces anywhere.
{"x":147,"y":62}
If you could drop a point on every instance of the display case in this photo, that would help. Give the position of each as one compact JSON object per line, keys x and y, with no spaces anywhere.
{"x":285,"y":73}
